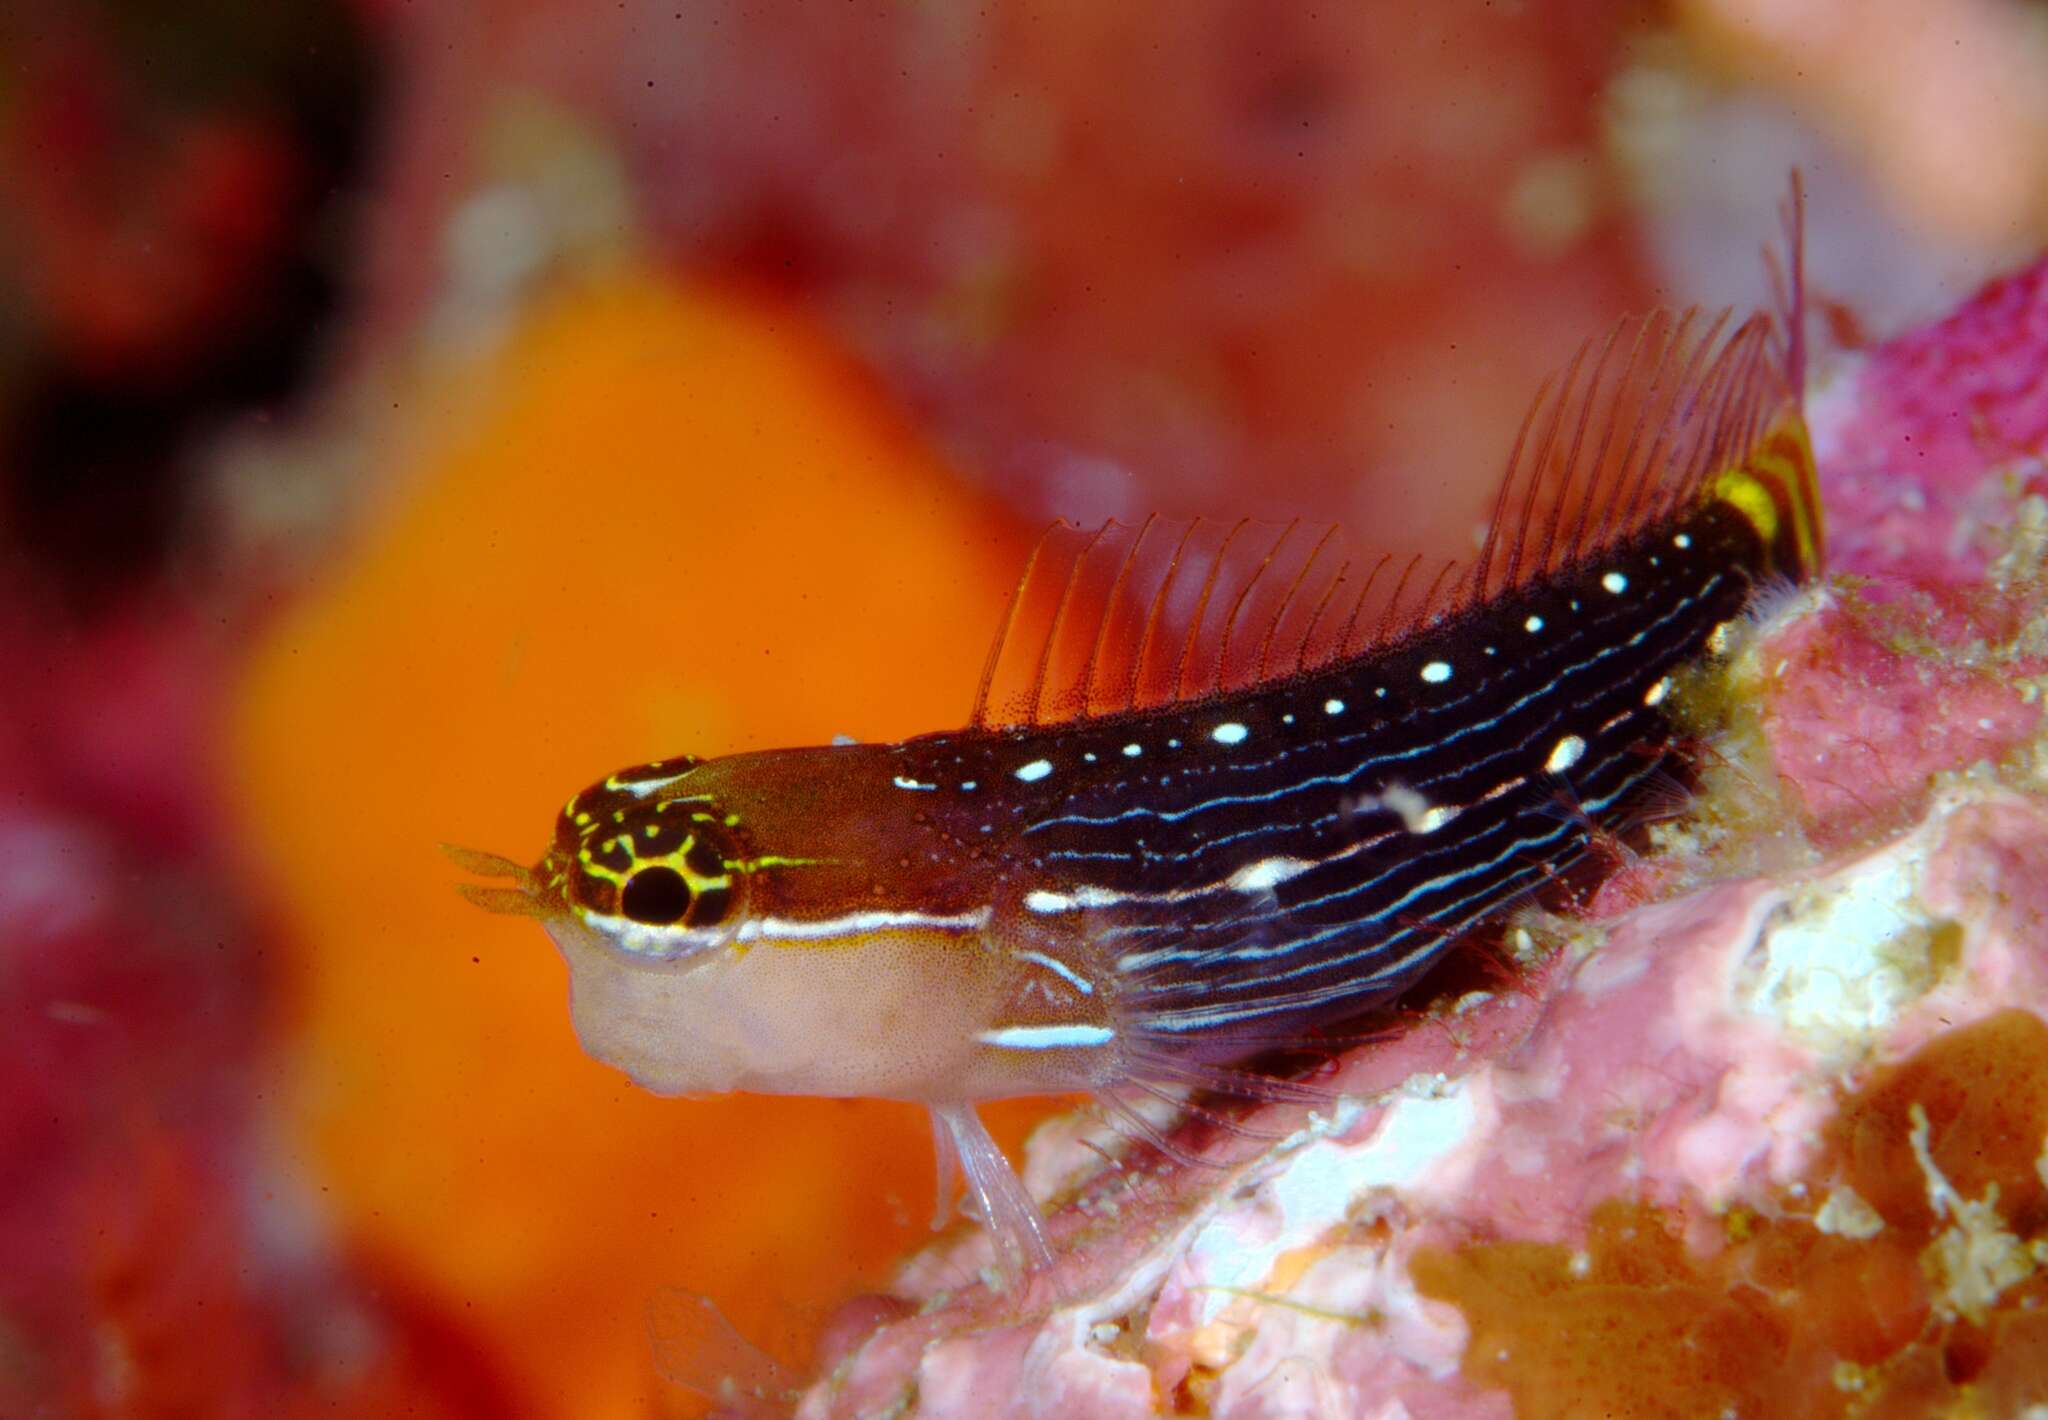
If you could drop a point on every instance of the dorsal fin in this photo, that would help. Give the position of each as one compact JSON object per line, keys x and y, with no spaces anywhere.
{"x":1638,"y":424}
{"x":1626,"y":436}
{"x":1121,"y":618}
{"x":1634,"y":431}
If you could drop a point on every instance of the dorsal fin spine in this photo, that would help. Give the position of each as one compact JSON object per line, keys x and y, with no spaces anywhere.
{"x":1788,"y":292}
{"x":1059,"y":617}
{"x":1187,"y":645}
{"x":1386,"y":630}
{"x":1116,"y":590}
{"x":1293,"y":588}
{"x":1316,"y":617}
{"x":1553,"y":411}
{"x":1708,"y":448}
{"x":1732,"y":432}
{"x":1666,"y":336}
{"x":1358,"y":602}
{"x":1595,"y":387}
{"x":1425,"y":610}
{"x":1480,"y":589}
{"x":1663,"y":335}
{"x":1687,"y":398}
{"x":1153,"y":614}
{"x":1243,"y":595}
{"x":995,"y":652}
{"x":1554,"y":426}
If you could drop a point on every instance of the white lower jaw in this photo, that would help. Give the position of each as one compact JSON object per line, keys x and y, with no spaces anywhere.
{"x":891,"y":1015}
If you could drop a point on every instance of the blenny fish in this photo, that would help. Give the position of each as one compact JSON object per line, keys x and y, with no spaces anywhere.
{"x":1222,"y":785}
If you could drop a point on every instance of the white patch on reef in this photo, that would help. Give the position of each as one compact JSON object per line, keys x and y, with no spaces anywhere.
{"x":1846,"y":955}
{"x":1845,"y":1214}
{"x":1976,"y":1259}
{"x":1321,"y":1184}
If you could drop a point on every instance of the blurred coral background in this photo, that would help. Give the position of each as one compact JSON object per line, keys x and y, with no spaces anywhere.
{"x":411,"y":412}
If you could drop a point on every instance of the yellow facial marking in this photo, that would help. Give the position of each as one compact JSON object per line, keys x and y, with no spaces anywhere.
{"x":1745,"y":493}
{"x":1772,"y":489}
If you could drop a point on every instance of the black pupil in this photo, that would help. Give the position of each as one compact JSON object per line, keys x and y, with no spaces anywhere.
{"x":656,"y":896}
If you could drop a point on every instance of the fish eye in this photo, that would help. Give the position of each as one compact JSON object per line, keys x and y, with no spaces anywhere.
{"x":655,"y":896}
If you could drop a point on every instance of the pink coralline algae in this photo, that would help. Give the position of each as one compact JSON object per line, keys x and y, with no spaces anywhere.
{"x":1761,"y":1132}
{"x":1927,"y":439}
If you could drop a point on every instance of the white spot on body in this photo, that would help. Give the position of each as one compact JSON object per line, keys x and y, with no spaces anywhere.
{"x":1229,"y":733}
{"x":1083,"y":895}
{"x":1060,"y":969}
{"x":1333,"y":707}
{"x":1132,"y":751}
{"x":1564,"y":754}
{"x":1656,"y":693}
{"x":1718,"y":639}
{"x":1046,"y":1037}
{"x":1036,"y":769}
{"x":1259,"y":876}
{"x":1615,"y":583}
{"x":1417,"y":814}
{"x":903,"y":782}
{"x":1682,"y":541}
{"x":1437,"y":672}
{"x":1533,"y":625}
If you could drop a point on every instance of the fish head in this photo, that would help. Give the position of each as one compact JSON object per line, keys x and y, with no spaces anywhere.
{"x":768,"y":922}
